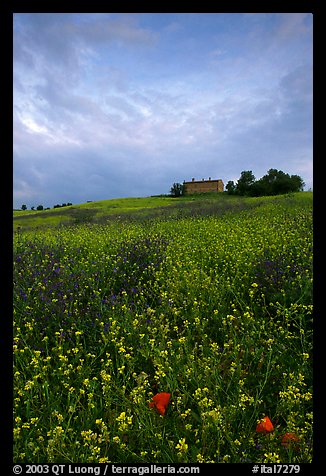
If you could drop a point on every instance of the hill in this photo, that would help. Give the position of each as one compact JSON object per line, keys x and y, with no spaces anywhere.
{"x":142,"y":208}
{"x":181,"y":332}
{"x":86,"y":212}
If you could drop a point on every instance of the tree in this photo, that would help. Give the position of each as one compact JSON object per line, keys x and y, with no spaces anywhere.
{"x":24,"y":207}
{"x":39,"y":207}
{"x":245,"y":182}
{"x":276,"y":182}
{"x":230,"y":187}
{"x":257,"y":189}
{"x":297,"y":183}
{"x":177,"y":190}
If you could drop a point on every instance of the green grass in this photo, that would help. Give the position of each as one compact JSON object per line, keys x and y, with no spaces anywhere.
{"x":128,"y":209}
{"x":85,"y":212}
{"x":207,"y":298}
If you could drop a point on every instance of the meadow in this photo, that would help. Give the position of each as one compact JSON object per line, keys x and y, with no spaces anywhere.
{"x":167,"y":336}
{"x":102,"y":210}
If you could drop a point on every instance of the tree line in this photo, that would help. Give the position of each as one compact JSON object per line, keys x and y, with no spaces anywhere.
{"x":275,"y":182}
{"x":40,"y":207}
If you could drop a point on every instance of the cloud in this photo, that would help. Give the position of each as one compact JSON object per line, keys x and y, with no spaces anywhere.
{"x":112,"y":105}
{"x":293,"y":25}
{"x":69,"y":47}
{"x":123,"y":30}
{"x":60,"y":35}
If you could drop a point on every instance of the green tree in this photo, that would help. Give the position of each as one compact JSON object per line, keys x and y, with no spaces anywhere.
{"x":230,"y":187}
{"x":245,"y":182}
{"x":177,"y":190}
{"x":297,"y":183}
{"x":24,"y":207}
{"x":39,"y":207}
{"x":276,"y":182}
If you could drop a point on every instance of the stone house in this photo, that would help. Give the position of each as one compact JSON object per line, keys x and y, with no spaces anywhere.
{"x":202,"y":186}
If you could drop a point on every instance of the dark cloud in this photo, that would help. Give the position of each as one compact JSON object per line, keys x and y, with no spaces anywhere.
{"x":111,"y":105}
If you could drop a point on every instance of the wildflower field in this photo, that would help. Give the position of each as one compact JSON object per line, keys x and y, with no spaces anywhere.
{"x":167,"y":339}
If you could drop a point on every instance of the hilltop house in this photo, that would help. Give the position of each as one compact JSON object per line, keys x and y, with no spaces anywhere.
{"x":202,"y":186}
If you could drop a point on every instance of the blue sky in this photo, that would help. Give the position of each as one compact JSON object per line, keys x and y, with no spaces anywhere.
{"x":123,"y":105}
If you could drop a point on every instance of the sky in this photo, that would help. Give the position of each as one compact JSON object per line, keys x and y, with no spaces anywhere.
{"x":110,"y":105}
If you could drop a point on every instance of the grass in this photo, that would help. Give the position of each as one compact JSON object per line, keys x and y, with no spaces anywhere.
{"x":128,"y":209}
{"x":86,"y":212}
{"x":209,"y":300}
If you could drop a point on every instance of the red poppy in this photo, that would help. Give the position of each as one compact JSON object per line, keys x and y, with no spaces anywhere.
{"x":160,"y":402}
{"x":265,"y":425}
{"x":288,"y":439}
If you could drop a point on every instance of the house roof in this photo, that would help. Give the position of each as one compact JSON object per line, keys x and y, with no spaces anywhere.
{"x":203,"y":181}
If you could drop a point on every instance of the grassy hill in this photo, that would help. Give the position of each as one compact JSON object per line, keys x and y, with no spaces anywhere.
{"x":86,"y":212}
{"x":131,"y":209}
{"x":180,"y":332}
